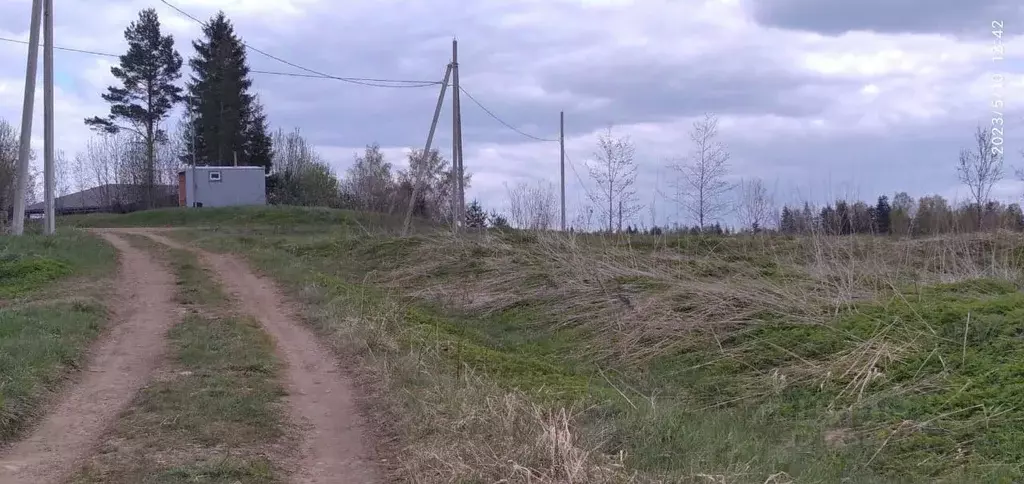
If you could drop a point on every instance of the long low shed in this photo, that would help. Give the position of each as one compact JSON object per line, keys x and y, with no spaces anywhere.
{"x":222,"y":186}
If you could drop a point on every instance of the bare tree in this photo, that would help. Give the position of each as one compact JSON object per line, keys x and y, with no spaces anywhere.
{"x":980,"y":168}
{"x":8,"y":166}
{"x":9,"y":146}
{"x":109,"y":162}
{"x":532,"y":207}
{"x":703,"y":173}
{"x":369,"y":182}
{"x":756,"y":206}
{"x":300,"y":176}
{"x":61,"y":178}
{"x":168,"y":155}
{"x":436,"y":187}
{"x":614,"y":171}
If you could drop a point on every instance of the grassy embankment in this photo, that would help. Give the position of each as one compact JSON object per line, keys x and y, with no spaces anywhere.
{"x":589,"y":359}
{"x":213,"y":413}
{"x":52,"y":306}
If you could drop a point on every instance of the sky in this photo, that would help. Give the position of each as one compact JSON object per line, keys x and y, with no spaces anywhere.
{"x":819,"y":98}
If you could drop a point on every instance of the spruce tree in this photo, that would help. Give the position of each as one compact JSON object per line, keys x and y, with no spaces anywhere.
{"x":476,"y":217}
{"x":883,"y":215}
{"x":259,"y":149}
{"x":227,"y":120}
{"x":787,"y":223}
{"x":147,"y":93}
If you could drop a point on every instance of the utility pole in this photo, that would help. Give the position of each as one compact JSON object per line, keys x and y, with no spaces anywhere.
{"x":457,"y":167}
{"x":48,"y":181}
{"x":455,"y":137}
{"x":25,"y":147}
{"x":417,"y":177}
{"x":561,"y":149}
{"x":620,"y":215}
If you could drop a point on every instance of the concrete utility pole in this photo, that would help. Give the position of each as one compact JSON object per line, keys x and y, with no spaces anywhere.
{"x":25,"y":147}
{"x":561,"y":149}
{"x":48,"y":181}
{"x":456,"y":200}
{"x":457,"y":167}
{"x":417,"y":177}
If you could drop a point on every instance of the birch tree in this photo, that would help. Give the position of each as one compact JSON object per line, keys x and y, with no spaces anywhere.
{"x":532,"y":207}
{"x":614,"y":172}
{"x":755,"y":204}
{"x":702,"y":173}
{"x":979,"y":168}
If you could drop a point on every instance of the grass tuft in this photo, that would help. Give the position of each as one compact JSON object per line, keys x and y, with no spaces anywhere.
{"x":51,"y":310}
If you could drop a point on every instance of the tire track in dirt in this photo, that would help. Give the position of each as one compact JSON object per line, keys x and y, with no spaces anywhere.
{"x":321,"y":398}
{"x":120,"y":364}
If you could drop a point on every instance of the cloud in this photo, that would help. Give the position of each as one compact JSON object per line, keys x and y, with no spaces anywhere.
{"x":833,"y":17}
{"x":820,"y":104}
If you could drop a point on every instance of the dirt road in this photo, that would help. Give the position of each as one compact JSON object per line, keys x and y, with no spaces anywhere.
{"x":118,"y":367}
{"x":320,"y":397}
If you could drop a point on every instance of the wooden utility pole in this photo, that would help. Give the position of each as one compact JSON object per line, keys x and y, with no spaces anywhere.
{"x":48,"y":181}
{"x":561,"y":149}
{"x":418,"y":177}
{"x":457,"y":168}
{"x":25,"y":146}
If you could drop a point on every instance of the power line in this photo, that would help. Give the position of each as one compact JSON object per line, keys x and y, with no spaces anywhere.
{"x":69,"y":49}
{"x":356,"y":80}
{"x":496,"y":118}
{"x":365,"y":81}
{"x":578,"y":178}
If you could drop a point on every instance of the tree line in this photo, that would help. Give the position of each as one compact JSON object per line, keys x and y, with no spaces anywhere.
{"x":224,"y":123}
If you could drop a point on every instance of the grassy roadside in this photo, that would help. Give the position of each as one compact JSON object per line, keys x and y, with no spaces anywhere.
{"x":452,"y":406}
{"x":280,"y":217}
{"x":556,"y":360}
{"x":537,"y":358}
{"x":213,"y":414}
{"x":52,"y":306}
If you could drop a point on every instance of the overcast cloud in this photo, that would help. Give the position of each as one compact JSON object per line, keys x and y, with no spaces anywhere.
{"x":819,"y":98}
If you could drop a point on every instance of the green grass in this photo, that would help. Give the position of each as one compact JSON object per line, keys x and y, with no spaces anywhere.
{"x":785,"y":397}
{"x":221,"y":471}
{"x":268,"y":216}
{"x":214,"y":411}
{"x":33,"y":262}
{"x":51,"y":291}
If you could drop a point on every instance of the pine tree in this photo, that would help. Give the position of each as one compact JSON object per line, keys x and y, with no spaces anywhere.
{"x":228,"y":121}
{"x":147,"y":94}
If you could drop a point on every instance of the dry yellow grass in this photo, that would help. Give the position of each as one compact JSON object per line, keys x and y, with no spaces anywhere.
{"x":633,"y":303}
